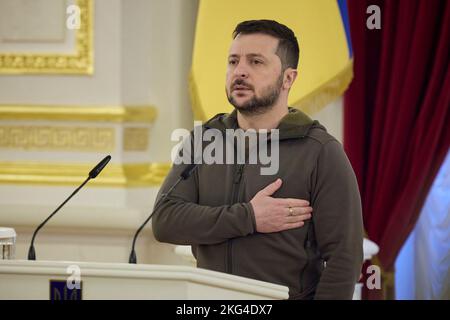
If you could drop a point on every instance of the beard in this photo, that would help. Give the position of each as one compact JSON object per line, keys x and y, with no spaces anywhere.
{"x":258,"y":105}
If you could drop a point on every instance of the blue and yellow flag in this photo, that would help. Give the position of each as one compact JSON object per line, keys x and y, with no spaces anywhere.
{"x":321,"y":27}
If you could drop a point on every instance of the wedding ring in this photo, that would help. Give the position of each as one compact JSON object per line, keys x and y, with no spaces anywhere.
{"x":291,"y":212}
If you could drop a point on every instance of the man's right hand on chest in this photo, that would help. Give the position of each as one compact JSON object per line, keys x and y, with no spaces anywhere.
{"x":278,"y":214}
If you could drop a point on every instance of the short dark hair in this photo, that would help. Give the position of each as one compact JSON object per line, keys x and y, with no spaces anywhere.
{"x":287,"y":50}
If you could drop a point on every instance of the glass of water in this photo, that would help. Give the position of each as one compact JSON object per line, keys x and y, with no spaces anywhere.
{"x":7,"y":243}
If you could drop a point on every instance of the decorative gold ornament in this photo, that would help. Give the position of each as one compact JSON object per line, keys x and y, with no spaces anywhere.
{"x":81,"y":62}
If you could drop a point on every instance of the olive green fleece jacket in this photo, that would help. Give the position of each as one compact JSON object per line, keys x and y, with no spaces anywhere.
{"x":211,"y":211}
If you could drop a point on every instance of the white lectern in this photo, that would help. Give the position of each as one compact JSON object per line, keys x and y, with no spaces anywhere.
{"x":22,"y":279}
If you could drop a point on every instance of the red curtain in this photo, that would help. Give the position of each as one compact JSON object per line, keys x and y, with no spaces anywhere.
{"x":397,"y":113}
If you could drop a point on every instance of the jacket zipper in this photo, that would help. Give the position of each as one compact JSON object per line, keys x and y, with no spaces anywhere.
{"x":234,"y":199}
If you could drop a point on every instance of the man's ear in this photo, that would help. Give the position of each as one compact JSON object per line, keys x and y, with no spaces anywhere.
{"x":289,"y":77}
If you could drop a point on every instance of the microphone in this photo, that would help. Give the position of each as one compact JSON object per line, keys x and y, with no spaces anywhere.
{"x":99,"y":167}
{"x":92,"y":174}
{"x":185,"y":174}
{"x":188,"y":171}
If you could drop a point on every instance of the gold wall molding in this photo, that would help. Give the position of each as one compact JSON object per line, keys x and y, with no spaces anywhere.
{"x":70,"y":174}
{"x":136,"y":139}
{"x":139,"y":114}
{"x":62,"y":138}
{"x":81,"y":62}
{"x":43,"y":137}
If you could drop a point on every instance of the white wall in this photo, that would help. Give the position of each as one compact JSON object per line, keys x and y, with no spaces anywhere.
{"x":331,"y":117}
{"x":102,"y":88}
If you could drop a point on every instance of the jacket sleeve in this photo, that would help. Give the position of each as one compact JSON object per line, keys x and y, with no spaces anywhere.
{"x":337,"y":220}
{"x":179,"y":218}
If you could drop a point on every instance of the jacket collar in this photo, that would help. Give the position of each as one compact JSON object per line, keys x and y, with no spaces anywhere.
{"x":295,"y":124}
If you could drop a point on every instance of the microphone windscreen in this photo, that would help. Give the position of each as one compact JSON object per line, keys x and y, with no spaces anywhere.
{"x":188,"y":171}
{"x":99,"y":167}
